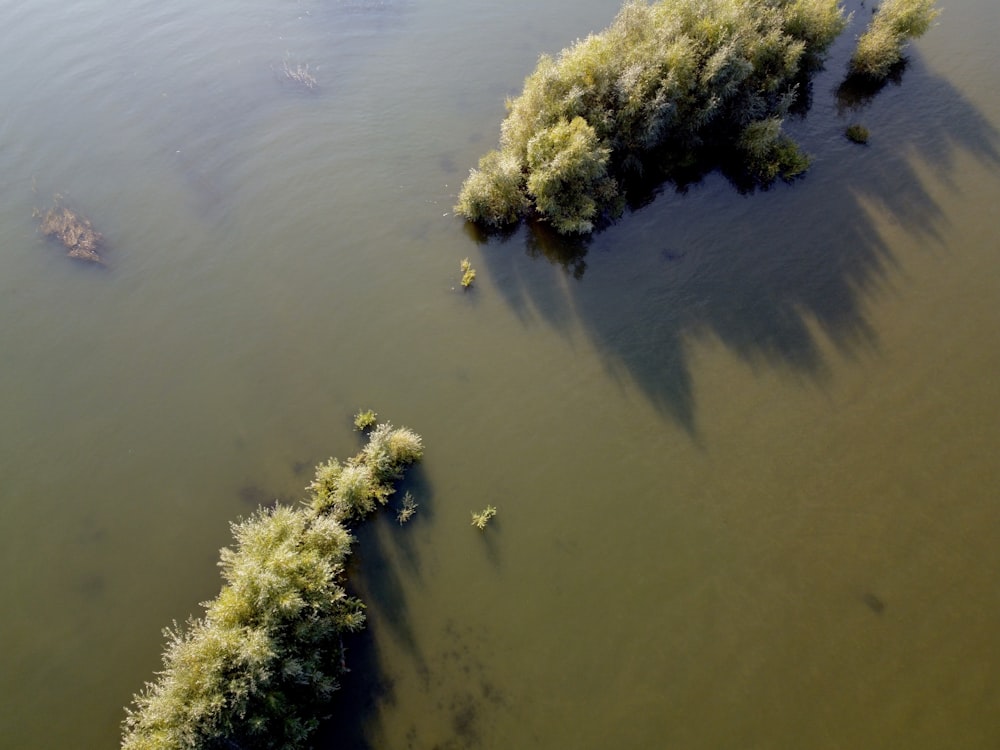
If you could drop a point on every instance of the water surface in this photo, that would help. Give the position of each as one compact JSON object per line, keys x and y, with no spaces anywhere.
{"x":742,"y":446}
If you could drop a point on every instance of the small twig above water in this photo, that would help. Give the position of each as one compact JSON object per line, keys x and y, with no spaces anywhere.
{"x":299,"y":74}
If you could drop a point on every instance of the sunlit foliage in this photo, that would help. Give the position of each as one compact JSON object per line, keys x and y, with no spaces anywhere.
{"x":893,"y":25}
{"x":666,"y":85}
{"x":468,"y":273}
{"x":568,"y":174}
{"x":365,"y":419}
{"x":257,"y":670}
{"x":483,"y":517}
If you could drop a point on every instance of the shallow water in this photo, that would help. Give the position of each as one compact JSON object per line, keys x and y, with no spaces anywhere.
{"x":742,"y":447}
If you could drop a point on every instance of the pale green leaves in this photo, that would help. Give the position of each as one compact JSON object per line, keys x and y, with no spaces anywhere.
{"x":258,"y":669}
{"x":568,"y":170}
{"x":891,"y":28}
{"x":483,"y":517}
{"x":666,"y":84}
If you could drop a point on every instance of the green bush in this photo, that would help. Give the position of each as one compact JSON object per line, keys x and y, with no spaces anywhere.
{"x":365,"y":419}
{"x":568,"y":171}
{"x":389,"y":450}
{"x":768,"y":153}
{"x":493,"y":195}
{"x":482,"y":518}
{"x":893,"y":25}
{"x":468,"y":273}
{"x":857,"y":134}
{"x":259,"y":668}
{"x":664,"y":85}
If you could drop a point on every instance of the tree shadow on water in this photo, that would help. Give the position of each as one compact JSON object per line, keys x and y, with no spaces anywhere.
{"x":373,"y":576}
{"x":760,"y":272}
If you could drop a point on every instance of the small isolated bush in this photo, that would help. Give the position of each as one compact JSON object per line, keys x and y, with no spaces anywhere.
{"x":365,"y":419}
{"x":258,"y":669}
{"x":895,"y":22}
{"x":668,"y":85}
{"x":857,"y":133}
{"x":482,"y":518}
{"x":468,"y":273}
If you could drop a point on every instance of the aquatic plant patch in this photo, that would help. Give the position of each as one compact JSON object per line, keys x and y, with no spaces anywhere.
{"x":468,"y":273}
{"x":365,"y":419}
{"x":259,"y":668}
{"x":857,"y":134}
{"x":893,"y":25}
{"x":74,"y":231}
{"x":481,"y":519}
{"x":671,"y":89}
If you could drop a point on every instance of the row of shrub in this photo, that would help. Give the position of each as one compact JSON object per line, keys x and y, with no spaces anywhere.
{"x":259,"y":668}
{"x":670,"y":90}
{"x":895,"y":22}
{"x":665,"y":85}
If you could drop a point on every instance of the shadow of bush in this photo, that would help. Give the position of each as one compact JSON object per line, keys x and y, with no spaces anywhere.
{"x":759,"y":271}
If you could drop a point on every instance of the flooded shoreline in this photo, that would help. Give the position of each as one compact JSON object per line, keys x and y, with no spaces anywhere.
{"x":741,"y":446}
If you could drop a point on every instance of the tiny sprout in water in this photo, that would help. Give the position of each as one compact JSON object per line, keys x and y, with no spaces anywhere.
{"x":365,"y":419}
{"x":480,"y":519}
{"x":468,"y":273}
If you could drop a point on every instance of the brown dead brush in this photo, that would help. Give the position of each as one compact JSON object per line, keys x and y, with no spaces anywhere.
{"x":74,"y":231}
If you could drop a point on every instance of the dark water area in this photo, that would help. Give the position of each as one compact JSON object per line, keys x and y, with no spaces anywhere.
{"x":742,"y":445}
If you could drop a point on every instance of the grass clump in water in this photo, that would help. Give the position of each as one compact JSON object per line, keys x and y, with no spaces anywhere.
{"x":468,"y":273}
{"x":259,"y":668}
{"x":669,"y":87}
{"x":365,"y":419}
{"x":895,"y":22}
{"x":857,"y":134}
{"x":482,"y":518}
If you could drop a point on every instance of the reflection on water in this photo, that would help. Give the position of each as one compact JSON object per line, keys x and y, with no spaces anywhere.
{"x":742,"y":446}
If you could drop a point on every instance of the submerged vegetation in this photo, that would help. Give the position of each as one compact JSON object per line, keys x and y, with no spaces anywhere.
{"x":895,"y":22}
{"x":259,"y":668}
{"x":299,"y":75}
{"x":668,"y":91}
{"x":73,"y":231}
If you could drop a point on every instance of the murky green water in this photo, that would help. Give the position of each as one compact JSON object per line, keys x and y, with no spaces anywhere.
{"x":743,"y":447}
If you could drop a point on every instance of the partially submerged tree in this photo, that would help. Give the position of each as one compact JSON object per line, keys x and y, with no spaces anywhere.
{"x":666,"y":86}
{"x":259,"y":668}
{"x":894,"y":24}
{"x":568,"y":174}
